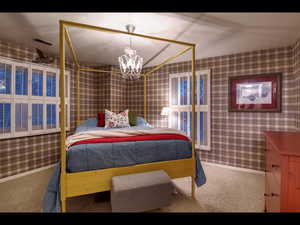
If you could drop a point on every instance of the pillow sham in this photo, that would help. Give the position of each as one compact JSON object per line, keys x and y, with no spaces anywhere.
{"x":91,"y":122}
{"x":114,"y":120}
{"x":132,"y":118}
{"x":140,"y":121}
{"x":101,"y":119}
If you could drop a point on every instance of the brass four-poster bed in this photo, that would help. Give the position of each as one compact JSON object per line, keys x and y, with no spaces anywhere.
{"x":87,"y":182}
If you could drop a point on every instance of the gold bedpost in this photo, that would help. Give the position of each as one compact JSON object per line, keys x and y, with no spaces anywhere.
{"x":75,"y":59}
{"x":145,"y":97}
{"x":77,"y":96}
{"x":80,"y":183}
{"x":193,"y":118}
{"x":62,"y":117}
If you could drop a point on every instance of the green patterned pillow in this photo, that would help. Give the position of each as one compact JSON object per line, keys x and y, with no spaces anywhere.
{"x":132,"y":118}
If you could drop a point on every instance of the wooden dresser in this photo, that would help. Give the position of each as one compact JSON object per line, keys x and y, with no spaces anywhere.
{"x":282,"y":191}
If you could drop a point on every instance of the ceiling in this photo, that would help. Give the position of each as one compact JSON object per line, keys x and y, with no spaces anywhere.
{"x":214,"y":33}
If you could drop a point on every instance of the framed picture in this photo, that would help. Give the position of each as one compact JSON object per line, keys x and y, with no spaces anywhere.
{"x":255,"y":93}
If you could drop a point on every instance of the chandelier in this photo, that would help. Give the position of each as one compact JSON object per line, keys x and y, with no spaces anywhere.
{"x":130,"y":63}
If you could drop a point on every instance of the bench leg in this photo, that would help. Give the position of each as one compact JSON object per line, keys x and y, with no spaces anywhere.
{"x":193,"y":188}
{"x":63,"y":205}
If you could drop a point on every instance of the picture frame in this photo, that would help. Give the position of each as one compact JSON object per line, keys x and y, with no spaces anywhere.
{"x":255,"y":93}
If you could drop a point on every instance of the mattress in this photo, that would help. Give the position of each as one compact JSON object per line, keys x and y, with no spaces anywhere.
{"x":95,"y":156}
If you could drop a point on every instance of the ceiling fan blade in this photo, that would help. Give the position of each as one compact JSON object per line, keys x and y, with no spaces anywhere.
{"x":42,"y":41}
{"x":40,"y":53}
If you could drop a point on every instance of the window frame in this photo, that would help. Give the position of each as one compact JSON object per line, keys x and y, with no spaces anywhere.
{"x":15,"y":65}
{"x":11,"y":80}
{"x":29,"y":99}
{"x":44,"y":84}
{"x":188,"y":108}
{"x":37,"y":132}
{"x":7,"y":135}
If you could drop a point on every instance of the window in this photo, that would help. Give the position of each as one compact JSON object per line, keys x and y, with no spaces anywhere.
{"x":37,"y":116}
{"x":51,"y":116}
{"x":21,"y":80}
{"x":51,"y":84}
{"x":5,"y":122}
{"x":21,"y":117}
{"x":37,"y":83}
{"x":29,"y":99}
{"x":5,"y":78}
{"x":181,"y":105}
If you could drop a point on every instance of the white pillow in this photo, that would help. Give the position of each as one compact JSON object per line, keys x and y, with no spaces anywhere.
{"x":114,"y":120}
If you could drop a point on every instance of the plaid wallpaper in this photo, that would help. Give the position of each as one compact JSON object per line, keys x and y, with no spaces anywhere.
{"x":135,"y":96}
{"x":237,"y":138}
{"x":112,"y":90}
{"x":118,"y":94}
{"x":103,"y":89}
{"x":297,"y":80}
{"x":118,"y":91}
{"x":27,"y":153}
{"x":89,"y":92}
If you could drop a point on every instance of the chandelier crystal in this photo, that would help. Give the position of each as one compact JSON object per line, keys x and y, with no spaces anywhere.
{"x":130,"y":63}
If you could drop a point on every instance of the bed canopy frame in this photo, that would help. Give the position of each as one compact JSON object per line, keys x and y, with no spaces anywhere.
{"x":87,"y":182}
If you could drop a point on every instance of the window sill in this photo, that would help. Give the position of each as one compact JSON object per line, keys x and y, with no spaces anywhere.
{"x":32,"y":135}
{"x":198,"y":149}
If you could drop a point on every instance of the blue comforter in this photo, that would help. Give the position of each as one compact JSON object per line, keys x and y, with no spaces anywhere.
{"x":96,"y":156}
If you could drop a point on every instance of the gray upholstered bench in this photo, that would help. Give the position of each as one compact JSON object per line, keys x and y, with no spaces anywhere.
{"x":141,"y":191}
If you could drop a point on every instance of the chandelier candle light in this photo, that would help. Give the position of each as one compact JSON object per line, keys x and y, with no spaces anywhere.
{"x":130,"y":63}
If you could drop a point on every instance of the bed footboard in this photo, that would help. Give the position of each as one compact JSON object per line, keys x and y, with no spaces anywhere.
{"x":88,"y":182}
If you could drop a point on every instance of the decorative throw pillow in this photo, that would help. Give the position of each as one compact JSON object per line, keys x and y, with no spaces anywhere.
{"x":140,"y":121}
{"x":101,"y":119}
{"x":114,"y":120}
{"x":132,"y":118}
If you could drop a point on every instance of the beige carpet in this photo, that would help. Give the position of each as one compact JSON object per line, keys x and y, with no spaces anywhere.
{"x":226,"y":190}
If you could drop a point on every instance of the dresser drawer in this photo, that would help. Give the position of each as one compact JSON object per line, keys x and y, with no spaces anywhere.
{"x":267,"y":197}
{"x":274,"y":204}
{"x":293,"y":191}
{"x":276,"y":166}
{"x":273,"y":164}
{"x":272,"y":193}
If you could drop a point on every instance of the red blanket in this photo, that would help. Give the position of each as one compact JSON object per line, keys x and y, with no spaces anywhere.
{"x":133,"y":138}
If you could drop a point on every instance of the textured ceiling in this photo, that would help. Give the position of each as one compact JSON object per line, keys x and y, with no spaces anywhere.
{"x":214,"y":33}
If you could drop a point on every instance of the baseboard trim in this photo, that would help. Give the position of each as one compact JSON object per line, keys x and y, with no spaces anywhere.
{"x":235,"y":168}
{"x":5,"y":179}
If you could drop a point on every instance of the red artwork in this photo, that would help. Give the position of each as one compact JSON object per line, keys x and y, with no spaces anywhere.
{"x":255,"y":93}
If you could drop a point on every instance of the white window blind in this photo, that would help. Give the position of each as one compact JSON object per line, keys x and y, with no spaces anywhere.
{"x":180,"y":99}
{"x":29,"y":99}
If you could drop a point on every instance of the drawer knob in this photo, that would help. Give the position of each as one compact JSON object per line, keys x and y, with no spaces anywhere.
{"x":274,"y":195}
{"x":275,"y":166}
{"x":266,"y":195}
